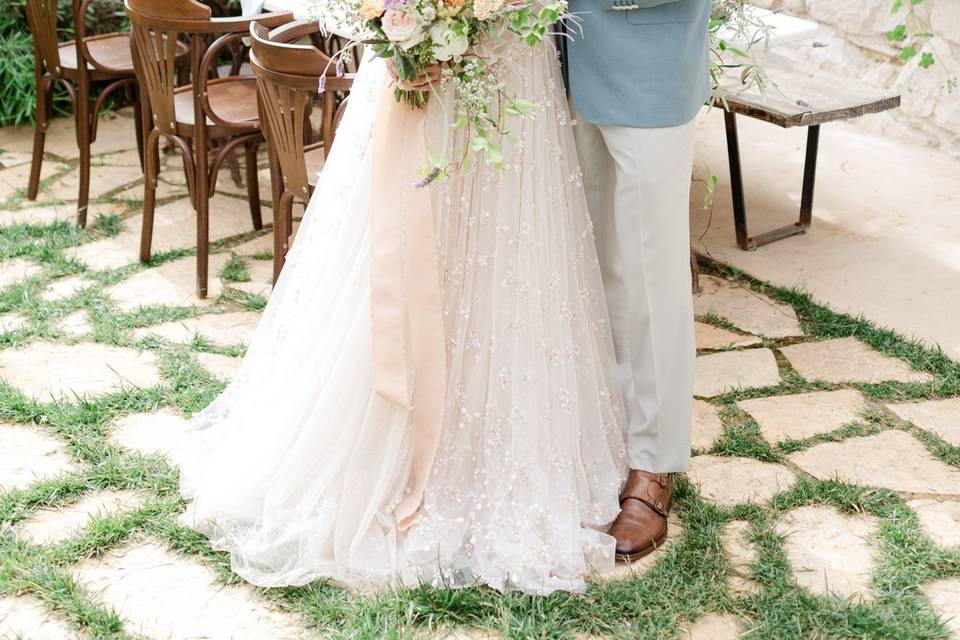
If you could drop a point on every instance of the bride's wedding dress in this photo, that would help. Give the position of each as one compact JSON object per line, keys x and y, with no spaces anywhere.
{"x":296,"y":468}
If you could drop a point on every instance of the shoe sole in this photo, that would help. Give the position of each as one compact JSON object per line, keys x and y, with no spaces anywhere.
{"x":643,"y":553}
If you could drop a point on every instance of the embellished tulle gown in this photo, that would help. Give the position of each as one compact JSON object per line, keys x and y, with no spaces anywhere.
{"x":296,"y":468}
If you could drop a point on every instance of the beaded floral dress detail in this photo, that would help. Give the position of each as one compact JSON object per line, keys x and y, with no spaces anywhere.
{"x":296,"y":467}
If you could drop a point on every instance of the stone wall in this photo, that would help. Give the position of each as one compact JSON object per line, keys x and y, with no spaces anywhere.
{"x":854,"y":35}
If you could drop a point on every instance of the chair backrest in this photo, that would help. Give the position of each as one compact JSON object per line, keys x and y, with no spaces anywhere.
{"x":42,"y":20}
{"x":157,"y":27}
{"x":288,"y":76}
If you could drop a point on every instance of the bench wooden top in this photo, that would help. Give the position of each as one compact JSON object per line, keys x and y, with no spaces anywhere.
{"x":798,"y":97}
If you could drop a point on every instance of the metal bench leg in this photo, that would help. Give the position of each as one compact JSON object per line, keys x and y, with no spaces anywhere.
{"x":744,"y":241}
{"x":809,"y":176}
{"x":736,"y":180}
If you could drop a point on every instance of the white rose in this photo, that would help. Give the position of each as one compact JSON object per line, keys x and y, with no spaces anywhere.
{"x":447,"y":44}
{"x":400,"y":27}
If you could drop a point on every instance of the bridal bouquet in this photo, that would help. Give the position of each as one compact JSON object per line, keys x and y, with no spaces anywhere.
{"x":447,"y":43}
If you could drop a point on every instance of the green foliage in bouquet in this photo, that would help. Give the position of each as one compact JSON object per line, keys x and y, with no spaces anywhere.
{"x":452,"y":44}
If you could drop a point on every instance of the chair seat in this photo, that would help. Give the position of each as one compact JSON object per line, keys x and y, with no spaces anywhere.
{"x":233,"y":99}
{"x":110,"y":50}
{"x":315,"y":159}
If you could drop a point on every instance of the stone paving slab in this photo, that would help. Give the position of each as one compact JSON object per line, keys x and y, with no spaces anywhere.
{"x":892,"y":460}
{"x":718,"y":373}
{"x":713,"y":626}
{"x":29,"y":455}
{"x":941,"y":417}
{"x":224,"y":329}
{"x":14,"y":159}
{"x":53,"y":525}
{"x":15,"y":180}
{"x":849,"y":360}
{"x":711,"y":337}
{"x":804,"y":415}
{"x":940,"y":519}
{"x":128,"y":158}
{"x":65,"y":288}
{"x":944,"y":596}
{"x":730,"y":481}
{"x":25,"y":618}
{"x":742,"y":555}
{"x":76,"y":325}
{"x":10,"y":322}
{"x":107,"y":253}
{"x":174,"y":227}
{"x":115,"y":132}
{"x":16,"y":270}
{"x":228,"y":217}
{"x":51,"y":213}
{"x":165,"y":190}
{"x":172,"y":284}
{"x":103,"y":180}
{"x":470,"y":634}
{"x":746,"y":309}
{"x":261,"y":278}
{"x":223,"y":367}
{"x":260,"y":245}
{"x":160,"y":432}
{"x":226,"y":184}
{"x":162,"y":595}
{"x":46,"y":370}
{"x":706,"y":425}
{"x":829,"y":551}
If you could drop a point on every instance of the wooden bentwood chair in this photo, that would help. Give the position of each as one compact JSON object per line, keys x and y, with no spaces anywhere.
{"x":289,"y":75}
{"x":209,"y":110}
{"x":76,"y":65}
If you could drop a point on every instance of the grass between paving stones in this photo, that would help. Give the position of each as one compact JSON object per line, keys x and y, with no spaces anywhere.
{"x":688,"y":580}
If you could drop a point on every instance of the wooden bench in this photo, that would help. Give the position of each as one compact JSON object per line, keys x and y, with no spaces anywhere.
{"x":796,"y":97}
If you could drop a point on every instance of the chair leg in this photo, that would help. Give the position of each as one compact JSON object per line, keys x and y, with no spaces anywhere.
{"x":276,"y":179}
{"x":203,"y":243}
{"x":138,"y":126}
{"x":39,"y":138}
{"x":281,"y":232}
{"x":83,"y":141}
{"x":234,"y":165}
{"x":253,"y":184}
{"x":203,"y":217}
{"x":151,"y":172}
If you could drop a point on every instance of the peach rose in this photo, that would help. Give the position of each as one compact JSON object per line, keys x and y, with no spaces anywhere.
{"x":371,"y":9}
{"x":400,"y":27}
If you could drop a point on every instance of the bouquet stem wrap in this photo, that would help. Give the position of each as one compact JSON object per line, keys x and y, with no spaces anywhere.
{"x":407,"y":312}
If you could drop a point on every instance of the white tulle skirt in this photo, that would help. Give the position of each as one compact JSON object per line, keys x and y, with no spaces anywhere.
{"x":296,"y":467}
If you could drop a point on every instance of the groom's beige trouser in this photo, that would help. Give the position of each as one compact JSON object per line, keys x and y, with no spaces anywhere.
{"x":638,"y":190}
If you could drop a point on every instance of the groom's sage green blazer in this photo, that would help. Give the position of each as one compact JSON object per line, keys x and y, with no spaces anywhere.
{"x":639,"y":63}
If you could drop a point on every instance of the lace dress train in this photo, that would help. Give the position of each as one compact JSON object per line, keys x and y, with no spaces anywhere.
{"x":296,"y":468}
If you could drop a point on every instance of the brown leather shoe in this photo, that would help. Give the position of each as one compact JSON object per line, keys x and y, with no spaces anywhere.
{"x":641,"y":527}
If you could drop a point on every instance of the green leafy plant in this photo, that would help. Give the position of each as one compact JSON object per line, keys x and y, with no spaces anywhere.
{"x":16,"y":50}
{"x":911,"y":37}
{"x":16,"y":54}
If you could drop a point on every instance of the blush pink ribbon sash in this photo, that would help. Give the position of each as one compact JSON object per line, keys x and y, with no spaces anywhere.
{"x":410,"y":365}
